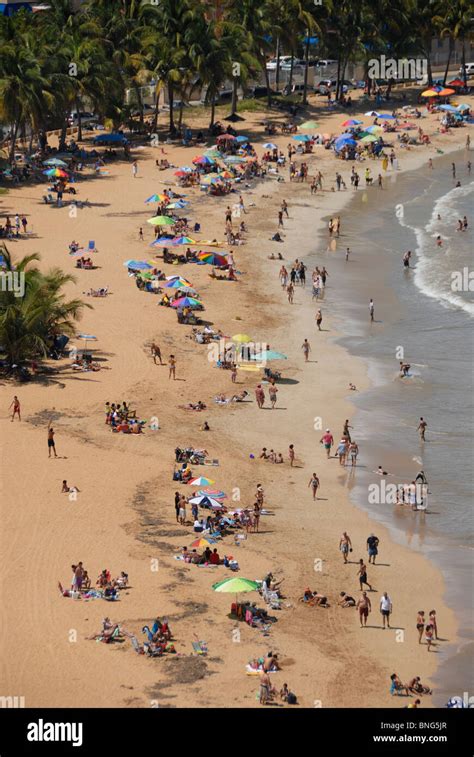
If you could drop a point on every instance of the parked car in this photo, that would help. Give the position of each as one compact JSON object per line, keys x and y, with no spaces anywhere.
{"x":284,"y":59}
{"x":261,"y":91}
{"x":469,"y":69}
{"x":295,"y":89}
{"x":86,"y":117}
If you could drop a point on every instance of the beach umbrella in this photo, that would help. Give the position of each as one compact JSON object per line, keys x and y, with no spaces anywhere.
{"x":456,"y":83}
{"x":182,"y":240}
{"x":161,"y":221}
{"x":302,"y":138}
{"x":54,"y":162}
{"x":236,"y":585}
{"x":372,"y":113}
{"x":206,"y":501}
{"x":202,"y":542}
{"x":87,"y":338}
{"x":177,"y":283}
{"x":433,"y":92}
{"x":242,"y":338}
{"x":203,"y":160}
{"x":138,"y":265}
{"x":157,"y":198}
{"x":374,"y":130}
{"x":178,"y":205}
{"x":387,"y":116}
{"x":242,"y":139}
{"x":200,"y":481}
{"x":445,"y":91}
{"x":212,"y":258}
{"x":235,"y":159}
{"x":308,"y":125}
{"x":352,"y":122}
{"x":58,"y":172}
{"x":162,"y":242}
{"x":463,"y":107}
{"x":369,"y":138}
{"x":341,"y":143}
{"x":269,"y":146}
{"x":186,"y":302}
{"x":214,"y":493}
{"x":269,"y":355}
{"x":180,"y":173}
{"x":226,"y":137}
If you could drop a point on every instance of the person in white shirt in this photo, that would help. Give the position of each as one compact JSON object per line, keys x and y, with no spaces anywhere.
{"x":385,"y":608}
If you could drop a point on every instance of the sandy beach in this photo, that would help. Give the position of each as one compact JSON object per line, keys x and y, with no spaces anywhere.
{"x":124,"y":519}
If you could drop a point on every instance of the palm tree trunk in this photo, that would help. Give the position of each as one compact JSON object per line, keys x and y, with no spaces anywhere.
{"x":463,"y":62}
{"x":450,"y":52}
{"x":234,"y":96}
{"x":277,"y":72}
{"x":213,"y":111}
{"x":170,"y":102}
{"x":338,"y":77}
{"x":263,"y":66}
{"x":79,"y":121}
{"x":155,"y":115}
{"x":306,"y":70}
{"x":138,"y":95}
{"x":13,"y":141}
{"x":62,"y":136}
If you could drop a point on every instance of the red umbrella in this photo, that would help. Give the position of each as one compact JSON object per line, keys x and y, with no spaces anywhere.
{"x":225,"y":136}
{"x":456,"y":83}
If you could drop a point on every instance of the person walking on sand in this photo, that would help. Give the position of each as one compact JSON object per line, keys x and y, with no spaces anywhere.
{"x":422,"y":429}
{"x":134,"y":169}
{"x":284,"y":207}
{"x":319,"y":319}
{"x":434,"y":623}
{"x":172,"y":365}
{"x":328,"y":440}
{"x":140,"y":234}
{"x":429,"y":636}
{"x":233,"y":373}
{"x":364,"y":606}
{"x":51,"y":444}
{"x":260,"y":396}
{"x":362,"y":573}
{"x":156,"y":353}
{"x":353,"y":452}
{"x":345,"y":430}
{"x":16,"y":408}
{"x":290,"y":291}
{"x":372,"y":547}
{"x":348,"y":252}
{"x":280,"y":219}
{"x":291,"y":455}
{"x":420,"y":624}
{"x":306,"y":347}
{"x":272,"y":394}
{"x":385,"y":609}
{"x":314,"y":484}
{"x":371,"y":310}
{"x":345,"y":546}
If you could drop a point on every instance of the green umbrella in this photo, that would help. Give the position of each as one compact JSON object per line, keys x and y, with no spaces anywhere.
{"x":235,"y":585}
{"x":161,"y":221}
{"x":309,"y":125}
{"x":369,"y":138}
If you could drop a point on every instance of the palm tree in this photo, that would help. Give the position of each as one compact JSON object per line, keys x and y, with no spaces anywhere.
{"x":455,"y":22}
{"x":28,"y":324}
{"x":253,"y":16}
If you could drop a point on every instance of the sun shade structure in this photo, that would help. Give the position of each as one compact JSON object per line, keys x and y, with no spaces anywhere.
{"x":241,"y":338}
{"x":236,"y":585}
{"x":186,"y":302}
{"x":201,"y":481}
{"x":212,"y":258}
{"x":161,"y":221}
{"x":269,"y":355}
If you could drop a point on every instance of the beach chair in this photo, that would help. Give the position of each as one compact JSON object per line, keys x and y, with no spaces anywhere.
{"x":135,"y":644}
{"x":91,"y":247}
{"x":199,"y":647}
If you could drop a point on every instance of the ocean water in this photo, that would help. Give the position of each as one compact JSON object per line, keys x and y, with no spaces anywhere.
{"x":424,"y":316}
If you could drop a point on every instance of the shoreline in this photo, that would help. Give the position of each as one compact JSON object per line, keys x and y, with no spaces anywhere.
{"x":338,"y":654}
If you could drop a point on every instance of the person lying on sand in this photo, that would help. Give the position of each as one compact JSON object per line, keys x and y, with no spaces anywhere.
{"x":198,"y":406}
{"x":109,"y":629}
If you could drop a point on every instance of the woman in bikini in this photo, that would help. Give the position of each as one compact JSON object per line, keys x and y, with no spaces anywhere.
{"x":420,"y":624}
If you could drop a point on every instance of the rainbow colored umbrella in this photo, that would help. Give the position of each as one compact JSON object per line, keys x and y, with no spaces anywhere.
{"x":200,"y":481}
{"x":178,"y":205}
{"x":202,"y":542}
{"x":161,"y":221}
{"x":214,"y":493}
{"x":182,"y":240}
{"x":58,"y":172}
{"x":352,"y":122}
{"x":203,"y":160}
{"x":212,"y":258}
{"x":187,"y":302}
{"x":177,"y":283}
{"x":157,"y":198}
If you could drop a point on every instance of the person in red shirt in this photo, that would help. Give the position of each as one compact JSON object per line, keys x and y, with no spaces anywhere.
{"x":328,"y":440}
{"x":215,"y":559}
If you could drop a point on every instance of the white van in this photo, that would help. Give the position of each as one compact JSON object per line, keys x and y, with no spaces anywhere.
{"x":469,"y":69}
{"x":86,"y":118}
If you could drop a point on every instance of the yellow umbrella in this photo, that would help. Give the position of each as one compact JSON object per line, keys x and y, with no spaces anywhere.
{"x":430,"y":93}
{"x":242,"y":338}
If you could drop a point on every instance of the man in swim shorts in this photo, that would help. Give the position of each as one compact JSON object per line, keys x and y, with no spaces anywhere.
{"x":364,"y":606}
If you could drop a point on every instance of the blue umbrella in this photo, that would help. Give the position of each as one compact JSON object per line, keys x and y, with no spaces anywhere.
{"x":242,"y":139}
{"x":449,"y":108}
{"x":387,"y":116}
{"x":302,"y":138}
{"x":341,"y":143}
{"x":269,"y":146}
{"x":162,"y":242}
{"x":138,"y":265}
